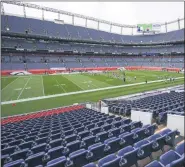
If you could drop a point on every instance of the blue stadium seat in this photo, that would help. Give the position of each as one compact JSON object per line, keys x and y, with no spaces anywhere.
{"x":21,"y":154}
{"x":169,"y":157}
{"x":158,"y":142}
{"x":129,"y":155}
{"x":58,"y":162}
{"x":155,"y":164}
{"x":113,"y":143}
{"x":16,"y":163}
{"x":87,"y":141}
{"x":73,"y":146}
{"x":106,"y":159}
{"x":35,"y":159}
{"x":97,"y":150}
{"x":56,"y":142}
{"x":39,"y":148}
{"x":90,"y":165}
{"x":145,"y":149}
{"x":55,"y":152}
{"x":79,"y":158}
{"x":126,"y":139}
{"x":180,"y":148}
{"x":102,"y":136}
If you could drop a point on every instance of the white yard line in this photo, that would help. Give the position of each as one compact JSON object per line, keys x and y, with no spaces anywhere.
{"x":23,"y":88}
{"x":74,"y":83}
{"x":9,"y":84}
{"x":42,"y":86}
{"x":60,"y":85}
{"x":80,"y":92}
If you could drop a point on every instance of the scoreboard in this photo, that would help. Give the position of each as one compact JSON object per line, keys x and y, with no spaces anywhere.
{"x":144,"y":28}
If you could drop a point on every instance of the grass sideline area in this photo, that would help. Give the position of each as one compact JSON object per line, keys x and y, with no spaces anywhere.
{"x":31,"y":106}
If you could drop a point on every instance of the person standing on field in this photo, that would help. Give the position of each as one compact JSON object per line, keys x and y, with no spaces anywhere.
{"x":135,"y":78}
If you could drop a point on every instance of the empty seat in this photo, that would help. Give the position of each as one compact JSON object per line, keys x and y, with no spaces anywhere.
{"x":90,"y":165}
{"x":87,"y":141}
{"x":21,"y":154}
{"x":8,"y":150}
{"x":98,"y":151}
{"x":126,"y":139}
{"x":113,"y":143}
{"x":35,"y":159}
{"x":106,"y":159}
{"x":158,"y":142}
{"x":169,"y":157}
{"x":4,"y":159}
{"x":56,"y":142}
{"x":55,"y":152}
{"x":16,"y":163}
{"x":95,"y":130}
{"x":102,"y":136}
{"x":28,"y":144}
{"x":129,"y":155}
{"x":58,"y":162}
{"x":79,"y":157}
{"x":145,"y":149}
{"x":39,"y":148}
{"x":72,"y":146}
{"x":155,"y":164}
{"x":180,"y":148}
{"x":70,"y":138}
{"x":83,"y":134}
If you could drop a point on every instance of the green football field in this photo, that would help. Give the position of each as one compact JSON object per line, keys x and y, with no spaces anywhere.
{"x":45,"y":87}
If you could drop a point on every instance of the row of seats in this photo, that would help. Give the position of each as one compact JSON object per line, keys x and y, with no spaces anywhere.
{"x":13,"y":43}
{"x":172,"y":158}
{"x":128,"y":154}
{"x":52,"y":29}
{"x":159,"y":105}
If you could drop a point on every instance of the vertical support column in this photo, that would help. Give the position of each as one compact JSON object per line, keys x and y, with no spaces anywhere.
{"x":42,"y":14}
{"x":166,"y":27}
{"x":110,"y":27}
{"x":24,"y":10}
{"x":73,"y":19}
{"x":132,"y":31}
{"x":98,"y":25}
{"x":2,"y":8}
{"x":179,"y":24}
{"x":58,"y":16}
{"x":86,"y":22}
{"x":121,"y":30}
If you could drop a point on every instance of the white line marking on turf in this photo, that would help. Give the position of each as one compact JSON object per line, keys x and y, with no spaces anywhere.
{"x":80,"y":92}
{"x":42,"y":86}
{"x":60,"y":85}
{"x":9,"y":84}
{"x":23,"y":88}
{"x":74,"y":83}
{"x":18,"y":89}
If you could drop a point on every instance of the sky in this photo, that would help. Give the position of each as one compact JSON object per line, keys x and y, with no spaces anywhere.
{"x":131,"y":13}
